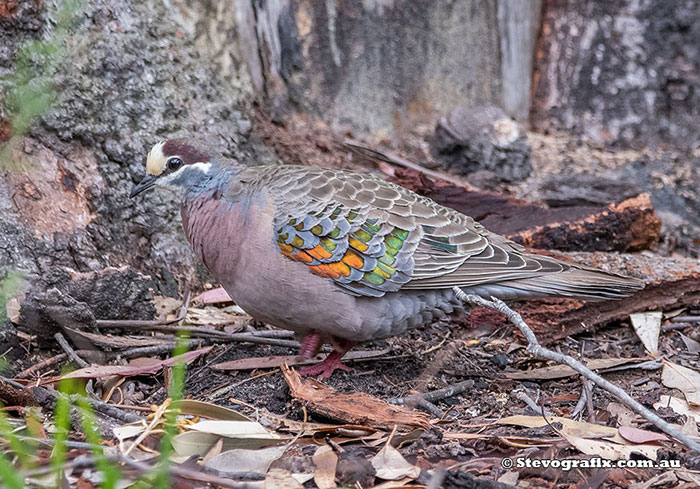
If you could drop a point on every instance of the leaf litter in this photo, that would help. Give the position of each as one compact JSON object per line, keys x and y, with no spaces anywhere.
{"x":326,"y":423}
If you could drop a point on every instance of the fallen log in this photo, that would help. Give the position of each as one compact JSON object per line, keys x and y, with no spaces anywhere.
{"x":670,"y":283}
{"x":629,"y":225}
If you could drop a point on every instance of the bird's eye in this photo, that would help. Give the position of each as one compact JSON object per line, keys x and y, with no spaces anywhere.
{"x":174,"y":164}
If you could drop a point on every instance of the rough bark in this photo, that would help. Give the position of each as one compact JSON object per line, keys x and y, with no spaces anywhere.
{"x":131,"y":76}
{"x":622,"y":72}
{"x":384,"y":67}
{"x":670,"y":284}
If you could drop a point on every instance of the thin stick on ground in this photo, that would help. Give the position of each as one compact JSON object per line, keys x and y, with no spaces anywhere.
{"x":537,"y":350}
{"x":197,"y":331}
{"x":70,"y":351}
{"x":49,"y":362}
{"x":436,"y":395}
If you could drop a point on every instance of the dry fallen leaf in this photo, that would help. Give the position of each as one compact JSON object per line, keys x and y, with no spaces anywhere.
{"x":648,"y":326}
{"x":166,"y":306}
{"x":209,"y":410}
{"x":213,"y":316}
{"x":326,"y":462}
{"x":561,"y":371}
{"x":356,"y":408}
{"x":664,"y":479}
{"x":234,"y":429}
{"x":569,"y":426}
{"x":692,"y":345}
{"x":680,"y":406}
{"x":198,"y":443}
{"x":390,"y":465}
{"x":635,"y":435}
{"x":213,"y":296}
{"x":609,"y":450}
{"x":281,"y":479}
{"x":126,"y":370}
{"x":12,"y":309}
{"x":684,"y":379}
{"x":240,"y":460}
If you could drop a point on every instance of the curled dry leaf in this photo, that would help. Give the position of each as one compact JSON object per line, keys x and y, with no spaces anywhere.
{"x":561,"y":371}
{"x":390,"y":465}
{"x":684,"y":379}
{"x":356,"y":408}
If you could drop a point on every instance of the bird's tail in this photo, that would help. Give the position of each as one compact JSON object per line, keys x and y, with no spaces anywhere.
{"x":575,"y":283}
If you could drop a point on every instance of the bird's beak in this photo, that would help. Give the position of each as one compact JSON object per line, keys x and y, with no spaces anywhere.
{"x":147,"y":182}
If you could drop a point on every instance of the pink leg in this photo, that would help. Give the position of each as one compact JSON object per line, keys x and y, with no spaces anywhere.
{"x":332,"y":362}
{"x":309,"y":345}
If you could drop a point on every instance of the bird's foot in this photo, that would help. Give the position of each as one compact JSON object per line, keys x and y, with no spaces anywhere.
{"x":326,"y":368}
{"x":309,"y":345}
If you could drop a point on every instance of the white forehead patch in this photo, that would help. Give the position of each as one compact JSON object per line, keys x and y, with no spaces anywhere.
{"x":155,"y":163}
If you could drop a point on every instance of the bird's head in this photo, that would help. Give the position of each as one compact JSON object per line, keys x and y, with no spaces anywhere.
{"x":175,"y":163}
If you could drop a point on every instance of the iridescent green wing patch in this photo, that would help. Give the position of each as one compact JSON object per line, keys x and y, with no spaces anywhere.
{"x":362,"y":255}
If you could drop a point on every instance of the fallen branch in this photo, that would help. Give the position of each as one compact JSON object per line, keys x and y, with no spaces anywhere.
{"x":537,"y":350}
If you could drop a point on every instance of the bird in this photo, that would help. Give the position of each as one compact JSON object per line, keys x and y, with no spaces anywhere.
{"x":344,"y":257}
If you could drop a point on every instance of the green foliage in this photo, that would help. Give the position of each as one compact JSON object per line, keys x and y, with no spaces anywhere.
{"x":73,"y":408}
{"x":8,"y":286}
{"x":176,"y":390}
{"x":30,"y":91}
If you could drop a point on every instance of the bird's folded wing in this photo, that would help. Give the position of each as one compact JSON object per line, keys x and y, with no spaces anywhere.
{"x":371,"y":237}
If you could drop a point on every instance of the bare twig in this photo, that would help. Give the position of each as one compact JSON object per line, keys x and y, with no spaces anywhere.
{"x":70,"y":351}
{"x":588,"y":387}
{"x":196,"y":331}
{"x":578,"y":410}
{"x":537,"y":350}
{"x":436,"y":395}
{"x":154,"y":422}
{"x":389,"y":157}
{"x":41,"y":365}
{"x":430,"y":408}
{"x":532,"y":404}
{"x":185,"y":307}
{"x":685,"y":319}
